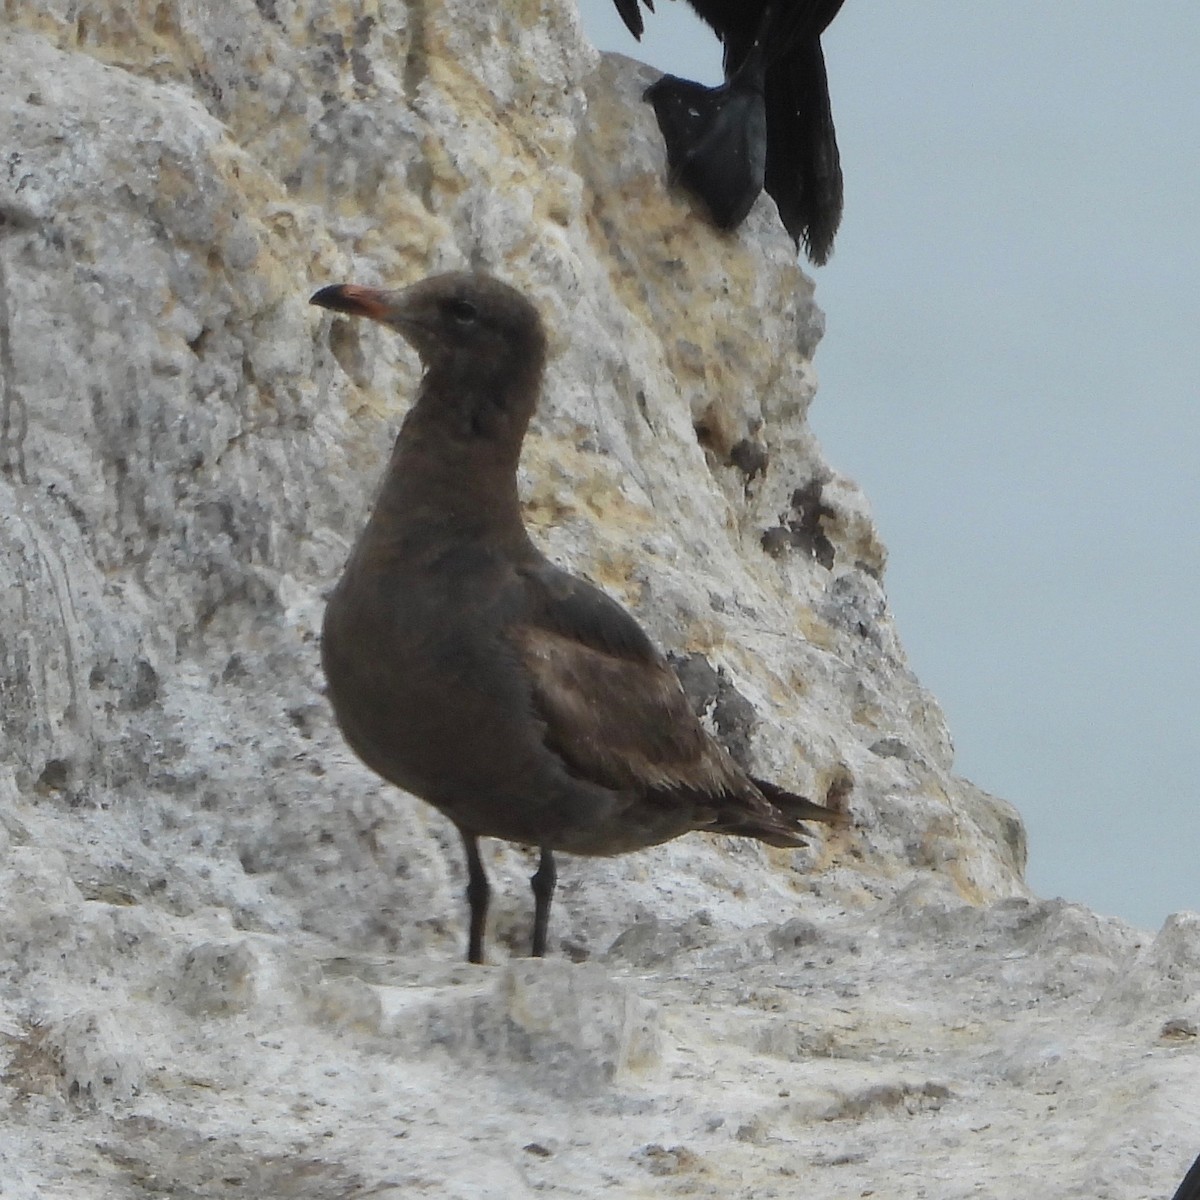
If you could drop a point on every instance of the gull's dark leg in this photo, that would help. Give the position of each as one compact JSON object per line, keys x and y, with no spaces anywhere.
{"x":477,"y":896}
{"x":542,"y":881}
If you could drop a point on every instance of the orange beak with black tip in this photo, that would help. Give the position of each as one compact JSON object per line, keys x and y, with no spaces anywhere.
{"x":354,"y":300}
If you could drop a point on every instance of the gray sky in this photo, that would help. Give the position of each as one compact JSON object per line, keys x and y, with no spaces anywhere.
{"x":1010,"y":371}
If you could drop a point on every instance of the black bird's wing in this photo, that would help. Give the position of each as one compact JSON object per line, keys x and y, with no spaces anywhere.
{"x":631,"y":14}
{"x":716,"y":140}
{"x":615,"y":713}
{"x":716,"y":137}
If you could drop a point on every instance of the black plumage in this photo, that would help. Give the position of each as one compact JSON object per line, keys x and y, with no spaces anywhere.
{"x":769,"y":124}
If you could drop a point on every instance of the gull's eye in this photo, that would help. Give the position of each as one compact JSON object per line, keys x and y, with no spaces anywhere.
{"x":463,"y":311}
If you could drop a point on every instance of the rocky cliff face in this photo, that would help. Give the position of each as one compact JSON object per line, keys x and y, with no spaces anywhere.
{"x":229,"y":954}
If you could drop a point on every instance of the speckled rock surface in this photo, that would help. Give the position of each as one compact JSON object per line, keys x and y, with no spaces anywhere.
{"x":228,"y":954}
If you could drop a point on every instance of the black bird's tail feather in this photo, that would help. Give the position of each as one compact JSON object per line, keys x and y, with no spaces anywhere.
{"x":631,"y":14}
{"x":803,"y":171}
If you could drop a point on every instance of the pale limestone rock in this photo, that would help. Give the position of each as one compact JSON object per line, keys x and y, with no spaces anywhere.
{"x":227,"y":952}
{"x":89,"y":1054}
{"x":217,"y":979}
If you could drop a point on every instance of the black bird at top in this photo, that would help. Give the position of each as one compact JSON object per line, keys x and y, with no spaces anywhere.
{"x":769,"y":124}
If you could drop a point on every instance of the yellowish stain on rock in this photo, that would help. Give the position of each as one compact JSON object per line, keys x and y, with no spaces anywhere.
{"x":869,"y":716}
{"x":816,"y":632}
